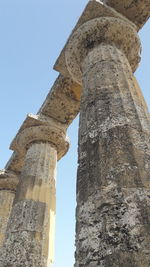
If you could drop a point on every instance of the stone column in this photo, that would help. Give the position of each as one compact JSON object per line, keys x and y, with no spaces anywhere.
{"x":8,"y":184}
{"x":113,"y":181}
{"x":30,"y":236}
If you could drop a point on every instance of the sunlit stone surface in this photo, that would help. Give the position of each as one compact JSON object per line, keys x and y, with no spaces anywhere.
{"x":113,"y":180}
{"x":29,"y":239}
{"x":8,"y":184}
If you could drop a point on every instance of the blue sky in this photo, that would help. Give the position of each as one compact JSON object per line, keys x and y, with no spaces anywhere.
{"x":32,"y":34}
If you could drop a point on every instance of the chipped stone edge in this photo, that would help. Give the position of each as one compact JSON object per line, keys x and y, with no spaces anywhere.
{"x":8,"y":180}
{"x":39,"y":128}
{"x":88,"y":14}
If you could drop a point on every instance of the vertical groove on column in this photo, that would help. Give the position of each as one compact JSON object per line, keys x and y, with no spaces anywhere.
{"x":29,"y":241}
{"x":6,"y":200}
{"x":113,"y":184}
{"x":139,"y":104}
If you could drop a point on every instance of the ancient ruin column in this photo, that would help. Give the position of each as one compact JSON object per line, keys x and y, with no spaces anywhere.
{"x":113,"y":181}
{"x":30,"y":231}
{"x":8,"y":184}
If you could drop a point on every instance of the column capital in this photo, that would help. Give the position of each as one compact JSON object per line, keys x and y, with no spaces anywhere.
{"x":99,"y":31}
{"x":39,"y":128}
{"x":8,"y":180}
{"x":98,"y":24}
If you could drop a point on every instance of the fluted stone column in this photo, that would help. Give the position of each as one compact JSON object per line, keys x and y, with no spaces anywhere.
{"x":113,"y":181}
{"x":113,"y":175}
{"x":8,"y":184}
{"x":30,"y":233}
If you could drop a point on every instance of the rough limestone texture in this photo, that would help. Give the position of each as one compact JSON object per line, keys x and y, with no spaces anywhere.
{"x":30,"y":232}
{"x":37,"y":128}
{"x":113,"y":184}
{"x":94,"y":9}
{"x":113,"y":180}
{"x":8,"y":184}
{"x":101,"y":30}
{"x":138,"y":11}
{"x":15,"y":163}
{"x":65,"y":96}
{"x":113,"y":220}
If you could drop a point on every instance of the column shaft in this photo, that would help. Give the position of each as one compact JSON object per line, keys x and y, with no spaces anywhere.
{"x":6,"y":200}
{"x":30,"y":236}
{"x":8,"y":183}
{"x":113,"y":183}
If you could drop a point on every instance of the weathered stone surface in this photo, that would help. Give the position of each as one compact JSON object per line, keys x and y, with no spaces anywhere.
{"x":94,"y":9}
{"x":113,"y":184}
{"x":37,"y":128}
{"x":8,"y":183}
{"x":8,"y":180}
{"x":98,"y":31}
{"x":138,"y":11}
{"x":65,"y":95}
{"x":15,"y":163}
{"x":113,"y":228}
{"x":35,"y":198}
{"x":113,"y":187}
{"x":30,"y":231}
{"x":24,"y":235}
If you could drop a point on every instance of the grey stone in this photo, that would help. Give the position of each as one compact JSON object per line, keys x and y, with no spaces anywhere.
{"x":113,"y":181}
{"x":138,"y":11}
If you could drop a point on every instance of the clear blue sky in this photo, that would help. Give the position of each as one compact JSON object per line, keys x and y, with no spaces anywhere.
{"x":32,"y":34}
